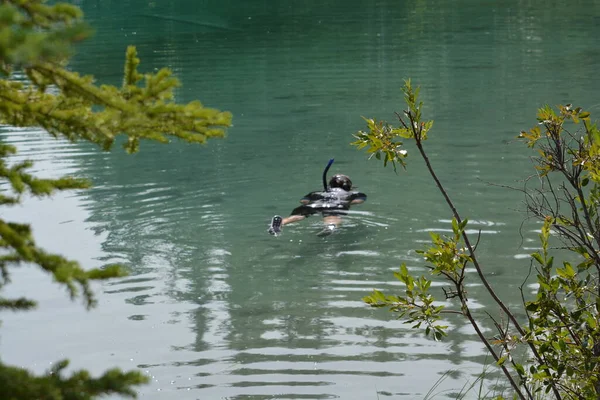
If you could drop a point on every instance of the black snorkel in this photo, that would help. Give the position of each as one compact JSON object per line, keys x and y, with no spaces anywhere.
{"x":325,"y":187}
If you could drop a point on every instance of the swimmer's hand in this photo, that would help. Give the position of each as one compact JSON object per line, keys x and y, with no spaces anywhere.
{"x":275,"y":227}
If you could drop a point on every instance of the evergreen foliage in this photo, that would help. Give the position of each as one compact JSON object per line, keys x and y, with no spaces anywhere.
{"x":38,"y":89}
{"x":560,"y":330}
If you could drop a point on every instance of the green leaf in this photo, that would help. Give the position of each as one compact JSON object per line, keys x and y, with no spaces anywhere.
{"x":585,"y":181}
{"x":403,"y":270}
{"x":455,"y":227}
{"x":569,"y":271}
{"x":591,"y":321}
{"x":537,"y":257}
{"x":520,"y":370}
{"x":434,"y":237}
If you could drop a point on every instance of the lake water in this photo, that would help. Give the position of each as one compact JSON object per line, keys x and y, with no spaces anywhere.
{"x":215,"y":308}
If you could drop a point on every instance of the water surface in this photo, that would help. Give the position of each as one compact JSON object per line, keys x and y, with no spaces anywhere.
{"x":215,"y":308}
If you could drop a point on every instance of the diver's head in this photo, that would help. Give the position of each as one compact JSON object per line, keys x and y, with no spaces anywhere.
{"x":340,"y":181}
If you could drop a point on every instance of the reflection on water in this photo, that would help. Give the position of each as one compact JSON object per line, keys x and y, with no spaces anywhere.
{"x":217,"y":308}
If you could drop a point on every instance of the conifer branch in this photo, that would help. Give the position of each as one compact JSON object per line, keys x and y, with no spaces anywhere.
{"x":20,"y":304}
{"x":37,"y":40}
{"x":17,"y":383}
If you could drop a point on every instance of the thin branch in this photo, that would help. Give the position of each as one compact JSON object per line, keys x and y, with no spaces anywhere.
{"x":489,"y":347}
{"x":478,"y":269}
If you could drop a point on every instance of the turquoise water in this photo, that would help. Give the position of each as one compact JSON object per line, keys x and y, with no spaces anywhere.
{"x":215,"y":308}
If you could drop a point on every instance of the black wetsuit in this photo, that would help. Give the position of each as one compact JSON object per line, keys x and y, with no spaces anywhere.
{"x":334,"y":202}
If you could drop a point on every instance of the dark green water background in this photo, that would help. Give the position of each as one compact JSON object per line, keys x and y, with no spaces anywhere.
{"x":215,"y":308}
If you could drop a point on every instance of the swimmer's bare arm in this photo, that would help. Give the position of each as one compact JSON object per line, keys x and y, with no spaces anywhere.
{"x":292,"y":218}
{"x":359,"y":198}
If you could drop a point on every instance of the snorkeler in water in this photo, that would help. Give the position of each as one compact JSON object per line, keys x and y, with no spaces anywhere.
{"x":333,"y":202}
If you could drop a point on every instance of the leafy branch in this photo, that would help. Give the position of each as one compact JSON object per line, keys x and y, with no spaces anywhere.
{"x":69,"y":105}
{"x":37,"y":89}
{"x":562,"y":330}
